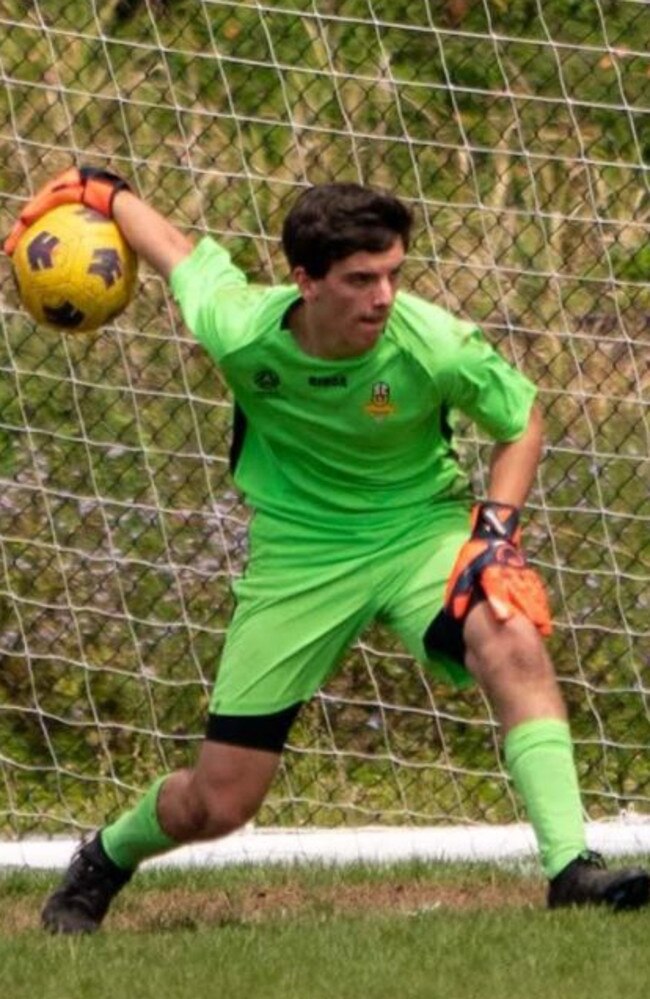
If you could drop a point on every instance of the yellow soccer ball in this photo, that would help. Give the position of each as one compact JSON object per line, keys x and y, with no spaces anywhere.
{"x":74,"y":270}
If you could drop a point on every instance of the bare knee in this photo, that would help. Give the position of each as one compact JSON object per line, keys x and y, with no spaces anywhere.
{"x":193,"y":808}
{"x":222,"y":809}
{"x":511,"y":648}
{"x":511,"y":664}
{"x":222,"y":793}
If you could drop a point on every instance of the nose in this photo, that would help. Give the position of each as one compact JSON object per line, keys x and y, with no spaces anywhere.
{"x":383,"y":296}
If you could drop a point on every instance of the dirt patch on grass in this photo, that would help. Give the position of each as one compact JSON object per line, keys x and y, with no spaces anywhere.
{"x":156,"y":910}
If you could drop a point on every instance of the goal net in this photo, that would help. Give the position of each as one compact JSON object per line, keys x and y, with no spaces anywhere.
{"x":519,"y":133}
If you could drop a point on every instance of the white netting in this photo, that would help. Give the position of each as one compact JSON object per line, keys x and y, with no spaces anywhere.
{"x":520,"y":134}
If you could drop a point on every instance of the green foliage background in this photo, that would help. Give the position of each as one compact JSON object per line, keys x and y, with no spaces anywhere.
{"x":520,"y":131}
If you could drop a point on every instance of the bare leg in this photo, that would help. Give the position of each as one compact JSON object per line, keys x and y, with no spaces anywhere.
{"x":221,"y":793}
{"x":511,"y":664}
{"x":513,"y":668}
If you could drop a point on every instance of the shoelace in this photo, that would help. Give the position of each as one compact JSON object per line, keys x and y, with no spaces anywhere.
{"x":591,"y":857}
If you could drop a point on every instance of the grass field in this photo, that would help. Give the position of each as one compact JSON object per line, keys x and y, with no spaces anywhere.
{"x":410,"y":930}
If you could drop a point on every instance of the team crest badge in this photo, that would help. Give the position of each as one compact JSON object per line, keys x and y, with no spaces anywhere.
{"x":380,"y":404}
{"x":266,"y":380}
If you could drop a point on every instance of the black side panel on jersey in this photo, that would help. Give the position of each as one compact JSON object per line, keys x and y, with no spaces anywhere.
{"x":239,"y":424}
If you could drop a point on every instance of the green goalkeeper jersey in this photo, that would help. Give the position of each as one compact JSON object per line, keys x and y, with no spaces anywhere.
{"x":320,"y":441}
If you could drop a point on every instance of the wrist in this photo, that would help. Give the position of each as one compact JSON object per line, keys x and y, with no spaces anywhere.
{"x":492,"y":519}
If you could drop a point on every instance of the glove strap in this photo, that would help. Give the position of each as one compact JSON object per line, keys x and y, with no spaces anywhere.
{"x":496,"y":522}
{"x":100,"y":188}
{"x":88,"y":186}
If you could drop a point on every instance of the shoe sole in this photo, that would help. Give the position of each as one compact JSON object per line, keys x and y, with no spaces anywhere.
{"x":64,"y":928}
{"x":67,"y":922}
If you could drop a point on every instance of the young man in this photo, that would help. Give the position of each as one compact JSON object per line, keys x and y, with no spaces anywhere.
{"x":343,"y":387}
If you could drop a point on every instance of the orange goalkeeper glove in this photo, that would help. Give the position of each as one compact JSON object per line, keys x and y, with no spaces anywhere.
{"x":492,"y":565}
{"x":83,"y":185}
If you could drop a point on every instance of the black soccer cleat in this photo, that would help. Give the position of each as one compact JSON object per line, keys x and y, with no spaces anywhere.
{"x":586,"y":881}
{"x":88,"y":888}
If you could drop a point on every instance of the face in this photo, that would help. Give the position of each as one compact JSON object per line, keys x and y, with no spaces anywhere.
{"x":346,"y":311}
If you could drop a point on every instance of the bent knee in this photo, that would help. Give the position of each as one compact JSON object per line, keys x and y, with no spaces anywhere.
{"x":223,"y":813}
{"x":512,"y":647}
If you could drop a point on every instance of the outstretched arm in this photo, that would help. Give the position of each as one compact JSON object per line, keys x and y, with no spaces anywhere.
{"x":149,"y":233}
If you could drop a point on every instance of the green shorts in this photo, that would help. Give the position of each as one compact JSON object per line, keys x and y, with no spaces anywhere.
{"x":305,"y":599}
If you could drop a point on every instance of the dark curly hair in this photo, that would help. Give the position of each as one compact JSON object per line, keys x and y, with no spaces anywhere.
{"x":329,"y":222}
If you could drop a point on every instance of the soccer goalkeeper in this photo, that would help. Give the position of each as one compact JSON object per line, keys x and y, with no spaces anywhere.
{"x":343,"y":387}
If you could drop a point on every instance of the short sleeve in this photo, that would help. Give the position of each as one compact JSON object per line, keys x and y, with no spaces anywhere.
{"x":214,"y":297}
{"x":481,"y":384}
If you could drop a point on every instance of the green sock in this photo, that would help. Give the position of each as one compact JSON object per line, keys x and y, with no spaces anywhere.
{"x":539,"y":755}
{"x":137,"y":834}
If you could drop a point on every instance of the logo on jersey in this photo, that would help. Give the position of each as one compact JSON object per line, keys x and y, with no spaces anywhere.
{"x":266,"y":380}
{"x":380,"y":404}
{"x":328,"y":381}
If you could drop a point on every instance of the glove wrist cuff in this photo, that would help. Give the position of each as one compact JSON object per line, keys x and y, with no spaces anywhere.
{"x":497,"y":521}
{"x":99,"y":195}
{"x":99,"y":188}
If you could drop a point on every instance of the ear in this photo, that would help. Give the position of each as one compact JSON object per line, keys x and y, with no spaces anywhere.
{"x":307,"y":286}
